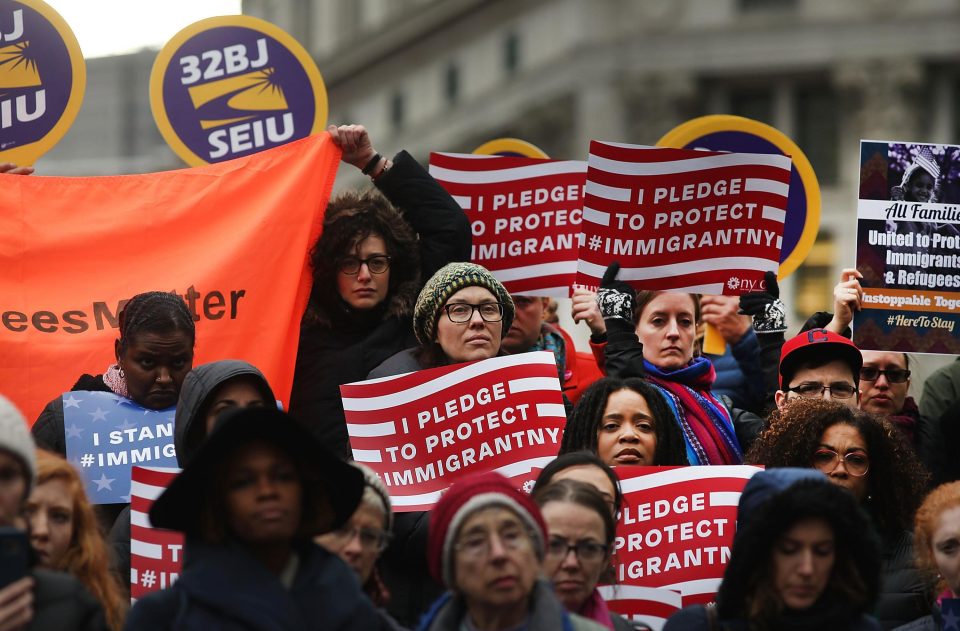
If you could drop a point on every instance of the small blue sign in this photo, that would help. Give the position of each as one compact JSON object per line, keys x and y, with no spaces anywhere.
{"x":107,"y":434}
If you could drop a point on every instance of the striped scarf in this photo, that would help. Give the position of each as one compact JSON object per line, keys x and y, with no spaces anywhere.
{"x":703,"y":418}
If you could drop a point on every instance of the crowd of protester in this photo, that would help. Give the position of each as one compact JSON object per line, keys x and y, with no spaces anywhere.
{"x":853,"y":524}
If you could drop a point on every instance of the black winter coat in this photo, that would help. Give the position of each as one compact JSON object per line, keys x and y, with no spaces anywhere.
{"x":224,"y":588}
{"x":61,"y":603}
{"x":355,"y":343}
{"x":904,"y":594}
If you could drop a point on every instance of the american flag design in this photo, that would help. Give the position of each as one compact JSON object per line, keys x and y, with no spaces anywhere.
{"x":422,"y":431}
{"x":680,"y":219}
{"x":156,"y":556}
{"x":525,"y":215}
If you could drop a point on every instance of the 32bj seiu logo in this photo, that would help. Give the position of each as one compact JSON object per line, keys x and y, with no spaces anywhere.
{"x":41,"y":80}
{"x":227,"y":87}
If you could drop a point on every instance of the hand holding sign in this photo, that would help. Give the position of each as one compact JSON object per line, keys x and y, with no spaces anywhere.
{"x":615,"y":297}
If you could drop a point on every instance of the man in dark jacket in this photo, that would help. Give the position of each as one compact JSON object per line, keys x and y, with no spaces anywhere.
{"x":41,"y":600}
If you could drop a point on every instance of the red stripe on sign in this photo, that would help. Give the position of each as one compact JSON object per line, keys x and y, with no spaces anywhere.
{"x":641,"y":154}
{"x":156,"y":556}
{"x":155,"y":476}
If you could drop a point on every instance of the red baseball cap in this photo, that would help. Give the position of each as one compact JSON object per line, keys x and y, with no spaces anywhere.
{"x":819,"y":343}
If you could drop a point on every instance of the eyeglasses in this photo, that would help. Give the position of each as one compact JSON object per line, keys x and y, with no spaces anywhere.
{"x":350,"y":265}
{"x":586,"y":551}
{"x":856,"y":462}
{"x":370,"y":538}
{"x":813,"y":390}
{"x":461,"y":312}
{"x":477,"y":546}
{"x":893,"y":375}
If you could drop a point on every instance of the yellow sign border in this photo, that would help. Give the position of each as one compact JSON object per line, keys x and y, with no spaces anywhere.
{"x":688,"y":132}
{"x":26,"y":155}
{"x":499,"y":146}
{"x":165,"y":56}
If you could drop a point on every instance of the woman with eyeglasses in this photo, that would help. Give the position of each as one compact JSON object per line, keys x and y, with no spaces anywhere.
{"x":581,"y":533}
{"x":368,"y":266}
{"x":362,"y":539}
{"x":865,"y":455}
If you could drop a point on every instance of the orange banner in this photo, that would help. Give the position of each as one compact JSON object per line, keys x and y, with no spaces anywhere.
{"x":231,"y":238}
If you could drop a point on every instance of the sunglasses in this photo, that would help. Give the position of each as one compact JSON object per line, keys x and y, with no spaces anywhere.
{"x":893,"y":375}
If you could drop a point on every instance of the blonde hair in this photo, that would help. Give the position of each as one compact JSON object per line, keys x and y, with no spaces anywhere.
{"x":86,"y":558}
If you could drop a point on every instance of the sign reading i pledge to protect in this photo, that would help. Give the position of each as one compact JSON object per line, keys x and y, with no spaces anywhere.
{"x":675,"y":533}
{"x":229,"y":86}
{"x":678,"y":219}
{"x":422,"y":431}
{"x":525,"y":216}
{"x":156,"y":556}
{"x":908,"y":247}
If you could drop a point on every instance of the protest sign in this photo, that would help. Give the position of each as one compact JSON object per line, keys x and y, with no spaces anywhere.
{"x":107,"y":434}
{"x":229,"y":86}
{"x":42,"y":79}
{"x":675,"y":533}
{"x":422,"y":431}
{"x":908,"y":247}
{"x":524,"y":213}
{"x":156,"y":556}
{"x":230,"y":238}
{"x":677,"y":219}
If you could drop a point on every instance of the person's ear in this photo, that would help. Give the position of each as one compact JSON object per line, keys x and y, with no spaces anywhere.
{"x":116,"y":349}
{"x":780,"y":398}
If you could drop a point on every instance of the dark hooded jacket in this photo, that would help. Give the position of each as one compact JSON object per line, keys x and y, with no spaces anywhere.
{"x":772,"y":502}
{"x":324,"y":595}
{"x":48,"y":430}
{"x":188,"y":433}
{"x":61,"y":602}
{"x":340,"y":345}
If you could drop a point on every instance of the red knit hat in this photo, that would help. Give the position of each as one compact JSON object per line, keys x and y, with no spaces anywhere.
{"x":819,"y":343}
{"x":470,"y":494}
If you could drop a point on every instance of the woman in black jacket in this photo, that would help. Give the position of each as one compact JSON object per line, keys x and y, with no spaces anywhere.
{"x":368,"y":266}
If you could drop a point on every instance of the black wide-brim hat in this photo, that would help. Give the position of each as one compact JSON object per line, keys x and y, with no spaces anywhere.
{"x":330,"y":486}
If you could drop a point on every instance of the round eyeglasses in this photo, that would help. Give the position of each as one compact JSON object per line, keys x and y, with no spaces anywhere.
{"x":855,"y":462}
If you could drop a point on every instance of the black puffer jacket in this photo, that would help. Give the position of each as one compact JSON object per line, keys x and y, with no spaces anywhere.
{"x":60,"y":603}
{"x":339,"y":345}
{"x":904,"y":593}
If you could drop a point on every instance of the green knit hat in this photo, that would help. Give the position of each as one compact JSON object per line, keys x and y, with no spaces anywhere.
{"x":447,"y":281}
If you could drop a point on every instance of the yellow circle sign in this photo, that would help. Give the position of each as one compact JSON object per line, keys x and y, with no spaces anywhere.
{"x":42,"y":80}
{"x":230,"y":86}
{"x":510,"y":147}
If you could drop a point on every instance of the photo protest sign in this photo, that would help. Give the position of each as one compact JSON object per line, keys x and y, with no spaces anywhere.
{"x":156,"y":556}
{"x":422,"y":431}
{"x":107,"y":434}
{"x":674,"y":533}
{"x":678,"y":219}
{"x":229,"y":86}
{"x":525,"y":216}
{"x":64,"y":283}
{"x":908,"y":247}
{"x":42,"y":79}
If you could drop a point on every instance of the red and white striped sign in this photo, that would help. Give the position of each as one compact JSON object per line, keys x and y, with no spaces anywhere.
{"x":525,"y":215}
{"x":422,"y":431}
{"x":156,"y":556}
{"x":685,"y":220}
{"x":674,"y":533}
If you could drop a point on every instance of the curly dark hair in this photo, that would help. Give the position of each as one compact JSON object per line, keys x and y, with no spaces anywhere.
{"x":350,"y":218}
{"x":581,"y":430}
{"x":896,"y":479}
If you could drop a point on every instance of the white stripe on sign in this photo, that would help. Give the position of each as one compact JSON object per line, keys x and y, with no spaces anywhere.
{"x":524,"y":466}
{"x":448,"y":380}
{"x":608,"y":192}
{"x":463,"y":201}
{"x":654,"y":594}
{"x":655,"y":623}
{"x":363,"y":430}
{"x":535,"y":271}
{"x":508,"y":175}
{"x":146,"y":491}
{"x":689,"y":165}
{"x":144,"y":549}
{"x":678,"y":269}
{"x":690,"y":588}
{"x":687,"y":474}
{"x":596,"y":216}
{"x":414,"y":500}
{"x":724,"y":498}
{"x":779,"y":243}
{"x":774,"y":214}
{"x":767,"y":186}
{"x":528,"y":384}
{"x":138,"y":518}
{"x":367,"y":455}
{"x":711,"y":289}
{"x":551,"y":409}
